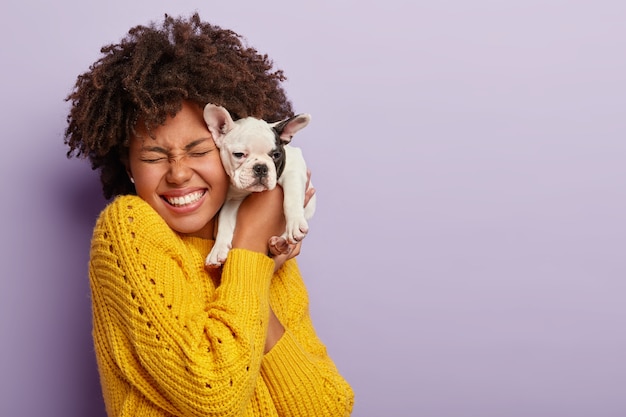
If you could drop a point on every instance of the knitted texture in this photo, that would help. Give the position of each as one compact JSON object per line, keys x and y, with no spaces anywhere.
{"x":171,"y":340}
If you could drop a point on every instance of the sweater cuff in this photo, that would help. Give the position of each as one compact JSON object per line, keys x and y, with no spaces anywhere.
{"x":247,"y":268}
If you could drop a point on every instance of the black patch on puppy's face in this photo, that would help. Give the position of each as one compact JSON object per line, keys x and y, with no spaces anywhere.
{"x":278,"y":154}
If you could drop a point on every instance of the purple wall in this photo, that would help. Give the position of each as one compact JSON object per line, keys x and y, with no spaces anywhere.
{"x":467,"y":255}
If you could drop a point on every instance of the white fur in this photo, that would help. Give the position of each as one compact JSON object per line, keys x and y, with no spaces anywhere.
{"x":254,"y":140}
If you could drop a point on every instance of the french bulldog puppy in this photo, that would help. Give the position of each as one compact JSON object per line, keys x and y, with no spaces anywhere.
{"x":257,"y":156}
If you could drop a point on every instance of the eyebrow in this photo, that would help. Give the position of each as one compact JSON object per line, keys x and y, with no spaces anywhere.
{"x":159,"y":149}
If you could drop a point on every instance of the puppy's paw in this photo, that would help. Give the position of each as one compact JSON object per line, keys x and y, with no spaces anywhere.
{"x":217,"y":256}
{"x":297,"y":229}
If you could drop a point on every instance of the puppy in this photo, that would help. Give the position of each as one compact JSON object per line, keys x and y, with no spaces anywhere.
{"x":257,"y":156}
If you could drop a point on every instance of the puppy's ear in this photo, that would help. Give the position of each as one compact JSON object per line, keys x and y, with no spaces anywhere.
{"x":288,"y":128}
{"x":218,"y":121}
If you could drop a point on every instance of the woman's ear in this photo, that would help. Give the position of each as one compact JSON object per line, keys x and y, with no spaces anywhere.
{"x":130,"y":175}
{"x":124,"y":159}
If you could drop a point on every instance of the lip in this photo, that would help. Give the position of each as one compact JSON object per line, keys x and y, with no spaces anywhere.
{"x":257,"y":187}
{"x":186,"y":208}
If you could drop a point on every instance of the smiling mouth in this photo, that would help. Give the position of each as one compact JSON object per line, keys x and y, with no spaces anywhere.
{"x":185,"y":199}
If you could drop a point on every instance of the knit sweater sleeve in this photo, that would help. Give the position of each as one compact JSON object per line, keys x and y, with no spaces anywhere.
{"x":187,"y":354}
{"x":298,"y":371}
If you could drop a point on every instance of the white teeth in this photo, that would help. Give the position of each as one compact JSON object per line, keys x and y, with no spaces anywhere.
{"x":187,"y":199}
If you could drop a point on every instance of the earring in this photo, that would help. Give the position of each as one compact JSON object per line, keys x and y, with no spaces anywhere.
{"x":132,"y":180}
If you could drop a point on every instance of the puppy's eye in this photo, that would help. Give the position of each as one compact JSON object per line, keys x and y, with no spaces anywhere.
{"x":277,"y":155}
{"x":238,"y":155}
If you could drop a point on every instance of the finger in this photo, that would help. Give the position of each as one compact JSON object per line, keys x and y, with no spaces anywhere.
{"x":295,"y":250}
{"x":278,"y":245}
{"x":274,"y":251}
{"x":310,"y":191}
{"x":308,"y":195}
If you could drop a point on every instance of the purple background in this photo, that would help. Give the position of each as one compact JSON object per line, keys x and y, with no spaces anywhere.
{"x":467,"y":257}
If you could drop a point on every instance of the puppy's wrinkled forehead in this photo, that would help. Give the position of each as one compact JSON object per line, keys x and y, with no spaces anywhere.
{"x":256,"y":135}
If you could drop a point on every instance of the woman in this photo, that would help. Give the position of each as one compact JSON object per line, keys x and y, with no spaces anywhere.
{"x":170,"y":337}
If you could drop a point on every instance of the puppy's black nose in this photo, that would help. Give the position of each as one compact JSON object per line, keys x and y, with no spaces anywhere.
{"x":260,"y":170}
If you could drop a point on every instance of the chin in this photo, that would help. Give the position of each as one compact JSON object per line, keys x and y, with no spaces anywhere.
{"x":197,"y":226}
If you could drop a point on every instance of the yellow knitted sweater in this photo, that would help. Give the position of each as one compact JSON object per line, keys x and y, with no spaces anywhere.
{"x":170,"y":340}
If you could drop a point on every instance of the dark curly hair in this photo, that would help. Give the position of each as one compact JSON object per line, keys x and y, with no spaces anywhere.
{"x":149,"y":74}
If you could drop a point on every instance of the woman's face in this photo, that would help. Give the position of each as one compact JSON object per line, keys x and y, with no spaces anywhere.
{"x":178,"y":171}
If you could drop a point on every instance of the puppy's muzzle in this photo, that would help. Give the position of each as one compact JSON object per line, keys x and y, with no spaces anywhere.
{"x":260,"y":170}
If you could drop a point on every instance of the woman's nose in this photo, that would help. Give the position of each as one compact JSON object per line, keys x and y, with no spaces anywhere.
{"x":179,"y":172}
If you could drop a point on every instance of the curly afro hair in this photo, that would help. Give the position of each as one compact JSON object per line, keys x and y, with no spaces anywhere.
{"x":148,"y":75}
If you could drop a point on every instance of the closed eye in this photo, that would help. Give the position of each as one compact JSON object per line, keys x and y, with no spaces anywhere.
{"x":239,"y":155}
{"x":152,"y":160}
